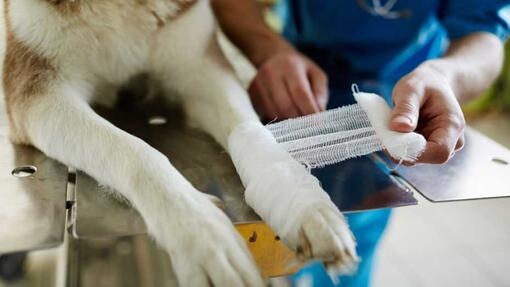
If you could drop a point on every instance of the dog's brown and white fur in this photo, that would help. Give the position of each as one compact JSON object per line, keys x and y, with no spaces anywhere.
{"x":61,"y":53}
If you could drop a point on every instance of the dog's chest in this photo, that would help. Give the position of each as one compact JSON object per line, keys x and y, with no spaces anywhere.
{"x":111,"y":39}
{"x":124,"y":33}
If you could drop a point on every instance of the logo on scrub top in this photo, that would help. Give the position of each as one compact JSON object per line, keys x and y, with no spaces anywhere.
{"x":384,"y":11}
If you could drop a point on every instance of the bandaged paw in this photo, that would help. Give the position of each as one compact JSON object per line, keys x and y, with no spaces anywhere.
{"x":285,"y":194}
{"x":326,"y":236}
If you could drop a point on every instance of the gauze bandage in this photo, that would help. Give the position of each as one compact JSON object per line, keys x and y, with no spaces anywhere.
{"x":280,"y":189}
{"x":351,"y":131}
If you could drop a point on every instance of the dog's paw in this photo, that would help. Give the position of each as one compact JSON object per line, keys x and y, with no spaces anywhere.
{"x":325,"y":235}
{"x":206,"y":250}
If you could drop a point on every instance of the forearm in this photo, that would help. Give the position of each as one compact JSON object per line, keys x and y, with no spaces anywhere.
{"x":471,"y":64}
{"x":242,"y":22}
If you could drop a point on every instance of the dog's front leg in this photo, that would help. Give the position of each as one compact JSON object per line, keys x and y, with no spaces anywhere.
{"x":181,"y":219}
{"x":280,"y":189}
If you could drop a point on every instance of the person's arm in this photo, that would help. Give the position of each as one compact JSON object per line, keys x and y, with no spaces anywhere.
{"x":242,"y":22}
{"x":287,"y":83}
{"x":427,"y":99}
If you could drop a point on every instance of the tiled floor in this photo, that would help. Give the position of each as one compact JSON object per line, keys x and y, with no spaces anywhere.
{"x":450,"y":244}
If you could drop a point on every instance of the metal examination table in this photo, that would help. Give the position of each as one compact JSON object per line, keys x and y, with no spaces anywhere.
{"x":58,"y":227}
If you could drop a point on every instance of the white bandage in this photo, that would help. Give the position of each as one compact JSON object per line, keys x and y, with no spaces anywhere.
{"x":401,"y":146}
{"x":278,"y":188}
{"x":339,"y":134}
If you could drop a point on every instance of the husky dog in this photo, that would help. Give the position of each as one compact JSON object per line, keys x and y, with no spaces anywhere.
{"x":63,"y":55}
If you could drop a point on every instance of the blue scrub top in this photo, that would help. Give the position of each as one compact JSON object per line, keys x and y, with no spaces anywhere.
{"x":386,"y":49}
{"x":353,"y":45}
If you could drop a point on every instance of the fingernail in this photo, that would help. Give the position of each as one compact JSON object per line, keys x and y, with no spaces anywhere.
{"x":401,"y":119}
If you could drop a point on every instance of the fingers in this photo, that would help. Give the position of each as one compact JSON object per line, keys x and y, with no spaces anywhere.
{"x":460,"y":143}
{"x":270,"y":95}
{"x":427,"y":93}
{"x":442,"y":144}
{"x":289,"y":85}
{"x":286,"y":106}
{"x":299,"y":89}
{"x":443,"y":129}
{"x":408,"y":95}
{"x":261,"y":99}
{"x":319,"y":83}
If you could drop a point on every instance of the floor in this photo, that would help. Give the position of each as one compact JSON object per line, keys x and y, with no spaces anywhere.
{"x":450,"y":244}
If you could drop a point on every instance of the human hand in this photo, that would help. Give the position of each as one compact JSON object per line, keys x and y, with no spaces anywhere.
{"x":288,"y":85}
{"x":425,"y":102}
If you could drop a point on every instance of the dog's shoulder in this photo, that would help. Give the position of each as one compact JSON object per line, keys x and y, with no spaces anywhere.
{"x":46,"y":22}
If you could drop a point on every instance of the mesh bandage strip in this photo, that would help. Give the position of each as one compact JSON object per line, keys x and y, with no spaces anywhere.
{"x":351,"y":131}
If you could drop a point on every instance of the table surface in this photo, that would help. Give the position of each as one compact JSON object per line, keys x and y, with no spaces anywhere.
{"x":33,"y":208}
{"x":353,"y":185}
{"x":480,"y":170}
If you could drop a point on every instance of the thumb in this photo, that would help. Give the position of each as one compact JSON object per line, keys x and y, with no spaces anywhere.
{"x":404,"y":116}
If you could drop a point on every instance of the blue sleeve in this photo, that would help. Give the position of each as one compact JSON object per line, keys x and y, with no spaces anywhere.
{"x":462,"y":17}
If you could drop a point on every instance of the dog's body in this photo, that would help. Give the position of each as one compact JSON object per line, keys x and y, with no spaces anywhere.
{"x":61,"y":54}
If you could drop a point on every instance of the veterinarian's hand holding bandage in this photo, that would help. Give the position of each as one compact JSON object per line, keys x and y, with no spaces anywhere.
{"x":339,"y":134}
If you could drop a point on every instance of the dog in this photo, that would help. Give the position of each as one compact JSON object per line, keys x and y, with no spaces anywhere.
{"x":64,"y":55}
